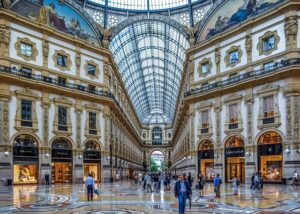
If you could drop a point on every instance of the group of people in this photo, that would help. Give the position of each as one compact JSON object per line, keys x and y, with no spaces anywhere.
{"x":152,"y":181}
{"x":257,"y":181}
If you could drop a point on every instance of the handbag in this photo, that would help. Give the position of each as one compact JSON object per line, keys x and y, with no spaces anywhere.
{"x":96,"y":191}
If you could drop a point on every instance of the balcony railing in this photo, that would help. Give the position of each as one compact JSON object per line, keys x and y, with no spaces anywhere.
{"x":53,"y":81}
{"x":243,"y":77}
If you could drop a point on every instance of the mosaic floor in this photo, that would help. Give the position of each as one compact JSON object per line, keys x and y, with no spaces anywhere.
{"x":129,"y":198}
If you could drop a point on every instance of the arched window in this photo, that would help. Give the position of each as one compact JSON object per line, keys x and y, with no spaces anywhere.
{"x":25,"y":145}
{"x":92,"y":151}
{"x":61,"y":148}
{"x":206,"y":145}
{"x":234,"y":141}
{"x":156,"y":136}
{"x":91,"y":146}
{"x":269,"y":138}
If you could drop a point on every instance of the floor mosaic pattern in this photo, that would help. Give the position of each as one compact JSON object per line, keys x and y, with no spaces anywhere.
{"x":129,"y":198}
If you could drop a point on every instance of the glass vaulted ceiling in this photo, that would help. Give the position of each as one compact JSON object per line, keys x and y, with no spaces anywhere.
{"x":150,"y":56}
{"x":144,"y":4}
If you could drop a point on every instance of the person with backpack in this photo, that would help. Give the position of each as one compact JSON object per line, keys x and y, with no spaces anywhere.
{"x":201,"y":183}
{"x":235,"y":184}
{"x":217,"y":185}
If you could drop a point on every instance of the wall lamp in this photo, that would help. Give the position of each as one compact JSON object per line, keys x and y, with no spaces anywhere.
{"x":287,"y":151}
{"x":216,"y":155}
{"x":47,"y":155}
{"x":248,"y":154}
{"x":6,"y":153}
{"x":298,"y":151}
{"x":80,"y":157}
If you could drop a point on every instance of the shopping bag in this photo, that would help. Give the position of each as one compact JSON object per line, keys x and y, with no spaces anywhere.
{"x":96,"y":191}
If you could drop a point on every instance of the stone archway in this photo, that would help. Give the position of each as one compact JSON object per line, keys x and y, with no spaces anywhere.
{"x":157,"y":161}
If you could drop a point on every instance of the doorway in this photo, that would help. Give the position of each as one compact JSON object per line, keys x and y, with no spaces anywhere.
{"x":235,"y":168}
{"x":61,"y":172}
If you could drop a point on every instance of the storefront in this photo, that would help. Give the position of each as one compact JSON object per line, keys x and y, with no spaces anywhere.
{"x":206,"y":159}
{"x":235,"y":159}
{"x":62,"y":167}
{"x":92,"y":160}
{"x":25,"y":160}
{"x":269,"y":153}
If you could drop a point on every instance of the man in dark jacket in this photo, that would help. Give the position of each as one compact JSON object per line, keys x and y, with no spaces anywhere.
{"x":182,"y":191}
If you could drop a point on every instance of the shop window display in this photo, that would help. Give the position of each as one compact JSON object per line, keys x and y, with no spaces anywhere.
{"x":270,"y":156}
{"x":92,"y":160}
{"x":25,"y":174}
{"x":206,"y":159}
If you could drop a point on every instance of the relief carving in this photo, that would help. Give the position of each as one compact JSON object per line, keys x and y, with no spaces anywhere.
{"x":291,"y":29}
{"x":6,"y":4}
{"x":248,"y":45}
{"x":289,"y":119}
{"x":4,"y":35}
{"x":5,"y":122}
{"x":45,"y":49}
{"x":218,"y":59}
{"x":296,"y":118}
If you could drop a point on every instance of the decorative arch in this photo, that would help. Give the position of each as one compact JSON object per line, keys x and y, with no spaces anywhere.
{"x":206,"y":145}
{"x":40,"y":11}
{"x":223,"y":15}
{"x":201,"y":140}
{"x":260,"y":134}
{"x":233,"y":135}
{"x":68,"y":139}
{"x":96,"y":141}
{"x":12,"y":139}
{"x":153,"y":17}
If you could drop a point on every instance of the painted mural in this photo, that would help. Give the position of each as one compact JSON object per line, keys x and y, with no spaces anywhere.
{"x":233,"y":12}
{"x":58,"y":15}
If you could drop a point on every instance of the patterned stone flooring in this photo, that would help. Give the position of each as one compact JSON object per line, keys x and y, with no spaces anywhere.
{"x":128,"y":198}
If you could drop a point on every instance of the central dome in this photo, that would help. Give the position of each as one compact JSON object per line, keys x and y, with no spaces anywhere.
{"x":144,"y":4}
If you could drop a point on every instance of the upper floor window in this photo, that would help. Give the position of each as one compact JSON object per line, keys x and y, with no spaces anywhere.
{"x":233,"y":113}
{"x":61,"y":60}
{"x":268,"y":106}
{"x":205,"y":67}
{"x":92,"y":120}
{"x":204,"y":118}
{"x":26,"y":49}
{"x":62,"y":118}
{"x":269,"y":43}
{"x":91,"y":69}
{"x":26,"y":112}
{"x":92,"y":88}
{"x":62,"y":81}
{"x":157,"y":136}
{"x":233,"y":57}
{"x":268,"y":66}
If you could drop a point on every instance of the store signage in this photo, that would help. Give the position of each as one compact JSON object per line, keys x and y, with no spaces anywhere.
{"x":235,"y":152}
{"x":25,"y":151}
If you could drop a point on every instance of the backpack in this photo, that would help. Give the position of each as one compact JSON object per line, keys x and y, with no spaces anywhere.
{"x":237,"y":182}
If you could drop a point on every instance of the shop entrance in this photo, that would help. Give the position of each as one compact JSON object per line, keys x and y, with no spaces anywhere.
{"x":25,"y":160}
{"x":92,"y":160}
{"x":269,"y":153}
{"x":206,"y":159}
{"x":62,"y":159}
{"x":235,"y":159}
{"x":61,"y":172}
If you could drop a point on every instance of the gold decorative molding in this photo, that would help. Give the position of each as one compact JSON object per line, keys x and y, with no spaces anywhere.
{"x":97,"y":70}
{"x":203,"y":62}
{"x":227,"y":56}
{"x":68,"y":60}
{"x":260,"y":45}
{"x":26,"y":41}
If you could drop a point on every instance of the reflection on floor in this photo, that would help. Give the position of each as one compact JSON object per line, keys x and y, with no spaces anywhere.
{"x":128,"y":198}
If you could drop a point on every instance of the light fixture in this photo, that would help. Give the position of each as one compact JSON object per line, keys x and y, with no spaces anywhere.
{"x":298,"y":151}
{"x":248,"y":154}
{"x":47,"y":155}
{"x":216,"y":155}
{"x":80,"y":157}
{"x":287,"y":151}
{"x":6,"y":153}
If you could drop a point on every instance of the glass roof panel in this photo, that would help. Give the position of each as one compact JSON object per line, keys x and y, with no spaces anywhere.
{"x":143,"y":4}
{"x":150,"y":59}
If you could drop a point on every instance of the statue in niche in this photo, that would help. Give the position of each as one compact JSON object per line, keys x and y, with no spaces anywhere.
{"x":291,"y":29}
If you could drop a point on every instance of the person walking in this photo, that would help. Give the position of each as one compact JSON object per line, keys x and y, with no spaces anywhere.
{"x":235,"y":185}
{"x":140,"y":178}
{"x":201,"y":183}
{"x":190,"y":179}
{"x":89,"y":184}
{"x":295,"y":178}
{"x":47,"y":177}
{"x":148,"y":181}
{"x":252,"y":181}
{"x":217,"y":185}
{"x":257,"y":182}
{"x":182,"y":191}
